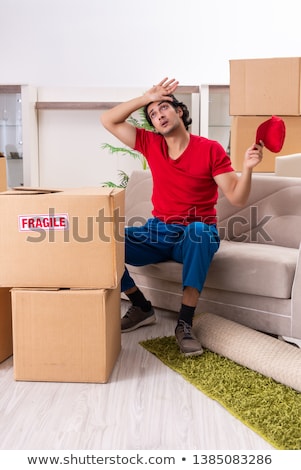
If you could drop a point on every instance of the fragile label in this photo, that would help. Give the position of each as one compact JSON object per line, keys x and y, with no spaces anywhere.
{"x":36,"y":222}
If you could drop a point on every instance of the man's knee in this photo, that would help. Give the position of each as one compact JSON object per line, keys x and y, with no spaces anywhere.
{"x":201,"y":233}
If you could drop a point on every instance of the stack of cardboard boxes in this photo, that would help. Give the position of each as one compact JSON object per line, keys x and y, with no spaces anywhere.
{"x":3,"y":175}
{"x":260,"y":88}
{"x":62,"y":253}
{"x":6,"y":344}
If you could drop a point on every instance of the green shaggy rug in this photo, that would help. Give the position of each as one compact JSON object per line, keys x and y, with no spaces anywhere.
{"x":269,"y":408}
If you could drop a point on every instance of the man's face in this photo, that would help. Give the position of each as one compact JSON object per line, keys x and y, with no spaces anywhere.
{"x":165,"y":118}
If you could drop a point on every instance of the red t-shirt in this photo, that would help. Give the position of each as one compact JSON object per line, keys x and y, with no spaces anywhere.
{"x":184,"y":190}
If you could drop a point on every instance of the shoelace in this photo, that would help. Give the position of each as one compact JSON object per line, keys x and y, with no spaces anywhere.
{"x":186,"y":328}
{"x":130,"y":310}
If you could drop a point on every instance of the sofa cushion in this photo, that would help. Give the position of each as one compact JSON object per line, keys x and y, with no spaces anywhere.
{"x":254,"y":268}
{"x":249,"y":268}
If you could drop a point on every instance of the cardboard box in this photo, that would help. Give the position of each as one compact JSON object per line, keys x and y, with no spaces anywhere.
{"x":243,"y":132}
{"x":265,"y":86}
{"x":68,"y":238}
{"x":3,"y":174}
{"x":65,"y":335}
{"x":6,"y":340}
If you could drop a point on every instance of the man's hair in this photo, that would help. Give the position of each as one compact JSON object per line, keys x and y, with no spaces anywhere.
{"x":176,"y":104}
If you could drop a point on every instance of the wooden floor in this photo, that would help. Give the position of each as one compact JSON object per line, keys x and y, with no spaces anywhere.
{"x":145,"y":406}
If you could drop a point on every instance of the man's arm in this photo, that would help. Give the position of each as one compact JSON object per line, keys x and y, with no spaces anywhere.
{"x":115,"y":119}
{"x":237,"y":189}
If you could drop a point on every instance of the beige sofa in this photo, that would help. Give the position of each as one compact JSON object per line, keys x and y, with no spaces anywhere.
{"x":255,"y":277}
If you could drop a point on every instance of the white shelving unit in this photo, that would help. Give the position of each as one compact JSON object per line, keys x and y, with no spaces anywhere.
{"x":11,"y":139}
{"x":215,"y":118}
{"x":19,"y":134}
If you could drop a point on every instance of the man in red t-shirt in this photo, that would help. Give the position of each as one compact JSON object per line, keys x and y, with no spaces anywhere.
{"x":187,"y":171}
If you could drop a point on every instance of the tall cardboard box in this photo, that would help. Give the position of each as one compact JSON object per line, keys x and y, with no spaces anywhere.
{"x":265,"y":87}
{"x":6,"y":341}
{"x":243,"y":132}
{"x":65,"y":335}
{"x":3,"y":174}
{"x":68,"y":238}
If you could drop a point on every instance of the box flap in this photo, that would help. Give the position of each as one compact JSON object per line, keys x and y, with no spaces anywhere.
{"x":35,"y":289}
{"x":31,"y":190}
{"x":21,"y":190}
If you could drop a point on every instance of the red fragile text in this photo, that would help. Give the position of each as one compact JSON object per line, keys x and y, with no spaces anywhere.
{"x":43,"y":222}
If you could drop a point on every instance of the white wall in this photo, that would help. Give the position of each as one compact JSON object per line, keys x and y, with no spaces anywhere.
{"x":49,"y":44}
{"x":70,"y":153}
{"x":135,"y":42}
{"x":70,"y":141}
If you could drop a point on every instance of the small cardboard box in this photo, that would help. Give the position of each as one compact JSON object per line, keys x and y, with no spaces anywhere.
{"x":3,"y":174}
{"x":65,"y":335}
{"x":68,"y":238}
{"x":265,"y":87}
{"x":6,"y":340}
{"x":243,"y":133}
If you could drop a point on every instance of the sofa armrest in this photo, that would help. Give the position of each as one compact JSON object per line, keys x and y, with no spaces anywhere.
{"x":296,"y":296}
{"x":288,"y":165}
{"x":138,"y":204}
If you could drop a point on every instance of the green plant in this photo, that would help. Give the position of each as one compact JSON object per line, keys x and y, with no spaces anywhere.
{"x":123,"y":181}
{"x":123,"y":177}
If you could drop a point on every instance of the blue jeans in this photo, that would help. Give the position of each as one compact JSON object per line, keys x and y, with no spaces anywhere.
{"x":193,"y":245}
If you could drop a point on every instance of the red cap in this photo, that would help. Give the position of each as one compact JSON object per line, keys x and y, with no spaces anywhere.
{"x":272,"y":134}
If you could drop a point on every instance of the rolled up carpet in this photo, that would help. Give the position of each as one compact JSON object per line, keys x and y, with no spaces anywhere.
{"x":257,"y":351}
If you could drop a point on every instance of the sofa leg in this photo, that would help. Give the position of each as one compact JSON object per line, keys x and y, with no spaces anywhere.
{"x":288,"y":339}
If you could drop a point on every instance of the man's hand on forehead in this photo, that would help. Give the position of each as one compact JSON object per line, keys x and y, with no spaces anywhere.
{"x":169,"y":85}
{"x":162,"y":90}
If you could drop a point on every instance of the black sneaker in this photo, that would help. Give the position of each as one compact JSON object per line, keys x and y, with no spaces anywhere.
{"x":188,"y":343}
{"x":136,"y":317}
